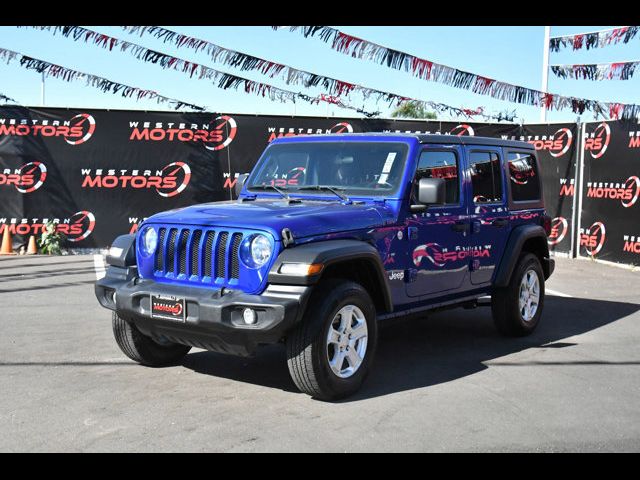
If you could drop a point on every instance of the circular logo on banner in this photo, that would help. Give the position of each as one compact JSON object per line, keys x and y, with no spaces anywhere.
{"x":595,"y":239}
{"x":598,"y":144}
{"x":559,"y":229}
{"x":81,"y":225}
{"x":461,"y":130}
{"x":633,"y":185}
{"x":176,"y":177}
{"x":428,"y":251}
{"x":85,"y":125}
{"x":225,"y":128}
{"x":342,"y":127}
{"x":562,"y":140}
{"x":32,"y":176}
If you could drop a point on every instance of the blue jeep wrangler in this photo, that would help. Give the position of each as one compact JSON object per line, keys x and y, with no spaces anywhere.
{"x":331,"y":234}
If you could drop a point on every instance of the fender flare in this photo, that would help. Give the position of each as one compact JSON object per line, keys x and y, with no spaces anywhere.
{"x":330,"y":252}
{"x":512,"y":251}
{"x":122,"y":252}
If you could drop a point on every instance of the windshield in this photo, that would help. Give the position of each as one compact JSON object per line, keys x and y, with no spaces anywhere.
{"x":353,"y":168}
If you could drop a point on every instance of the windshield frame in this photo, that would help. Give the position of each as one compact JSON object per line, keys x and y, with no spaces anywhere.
{"x":394,"y":193}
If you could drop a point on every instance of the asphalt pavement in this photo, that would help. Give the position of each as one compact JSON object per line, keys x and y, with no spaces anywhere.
{"x":447,"y":382}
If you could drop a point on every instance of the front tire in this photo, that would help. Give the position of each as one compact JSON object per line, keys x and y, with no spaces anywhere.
{"x":330,"y":352}
{"x":517,"y":308}
{"x":143,"y":349}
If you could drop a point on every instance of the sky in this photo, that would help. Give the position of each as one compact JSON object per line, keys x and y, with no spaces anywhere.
{"x":511,"y":54}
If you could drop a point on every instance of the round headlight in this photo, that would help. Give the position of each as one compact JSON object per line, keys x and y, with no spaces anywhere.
{"x":260,"y":250}
{"x":149,"y":241}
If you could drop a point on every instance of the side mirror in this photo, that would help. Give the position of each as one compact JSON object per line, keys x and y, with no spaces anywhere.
{"x":240,"y":183}
{"x":431,"y":191}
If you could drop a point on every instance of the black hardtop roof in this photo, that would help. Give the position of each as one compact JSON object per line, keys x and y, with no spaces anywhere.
{"x":442,"y":139}
{"x":468,"y":140}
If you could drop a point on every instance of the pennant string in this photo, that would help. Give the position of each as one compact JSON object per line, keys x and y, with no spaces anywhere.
{"x":591,"y":40}
{"x":103,"y":84}
{"x":335,"y":88}
{"x":219,"y":78}
{"x":602,"y":71}
{"x":291,"y":75}
{"x":365,"y":50}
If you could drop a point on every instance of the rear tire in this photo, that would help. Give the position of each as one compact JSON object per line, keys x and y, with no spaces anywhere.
{"x":517,"y":308}
{"x":143,"y":349}
{"x":330,"y":352}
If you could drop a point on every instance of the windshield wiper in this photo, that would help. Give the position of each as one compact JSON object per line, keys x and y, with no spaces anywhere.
{"x":342,"y":196}
{"x":281,"y":191}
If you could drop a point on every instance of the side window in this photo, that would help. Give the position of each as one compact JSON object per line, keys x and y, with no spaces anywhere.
{"x":439,"y":164}
{"x":485,"y":177}
{"x":524,"y":178}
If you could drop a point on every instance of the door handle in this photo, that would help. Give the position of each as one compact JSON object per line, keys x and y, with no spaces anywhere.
{"x":500,"y":222}
{"x":460,"y":226}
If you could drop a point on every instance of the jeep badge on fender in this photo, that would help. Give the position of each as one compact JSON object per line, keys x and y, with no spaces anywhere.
{"x":374,"y":226}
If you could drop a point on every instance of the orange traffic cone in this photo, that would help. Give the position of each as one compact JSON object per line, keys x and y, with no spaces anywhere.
{"x":7,"y":243}
{"x":32,"y":249}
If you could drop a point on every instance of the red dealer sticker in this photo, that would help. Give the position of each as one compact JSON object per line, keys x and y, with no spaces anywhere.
{"x":440,"y":257}
{"x":168,"y":307}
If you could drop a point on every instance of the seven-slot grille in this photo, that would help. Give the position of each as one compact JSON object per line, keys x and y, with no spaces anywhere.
{"x":202,"y":253}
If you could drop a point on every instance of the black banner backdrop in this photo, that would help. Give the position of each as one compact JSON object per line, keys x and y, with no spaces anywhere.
{"x":610,"y":215}
{"x":99,"y":173}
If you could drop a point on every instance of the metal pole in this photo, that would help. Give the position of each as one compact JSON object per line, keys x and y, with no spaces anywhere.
{"x":42,"y":89}
{"x":545,"y":70}
{"x":577,"y":187}
{"x":577,"y":192}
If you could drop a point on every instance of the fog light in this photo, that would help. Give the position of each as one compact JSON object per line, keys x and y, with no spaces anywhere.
{"x":249,"y":316}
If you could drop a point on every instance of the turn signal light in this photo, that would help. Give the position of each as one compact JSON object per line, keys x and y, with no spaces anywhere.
{"x":301,"y":269}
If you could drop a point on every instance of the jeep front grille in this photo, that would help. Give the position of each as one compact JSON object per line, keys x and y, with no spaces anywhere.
{"x":197,"y":254}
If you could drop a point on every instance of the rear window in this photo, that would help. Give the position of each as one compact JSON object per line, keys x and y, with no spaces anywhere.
{"x":524,"y":177}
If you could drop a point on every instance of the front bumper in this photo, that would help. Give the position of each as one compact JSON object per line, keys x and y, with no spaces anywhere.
{"x":213,"y":316}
